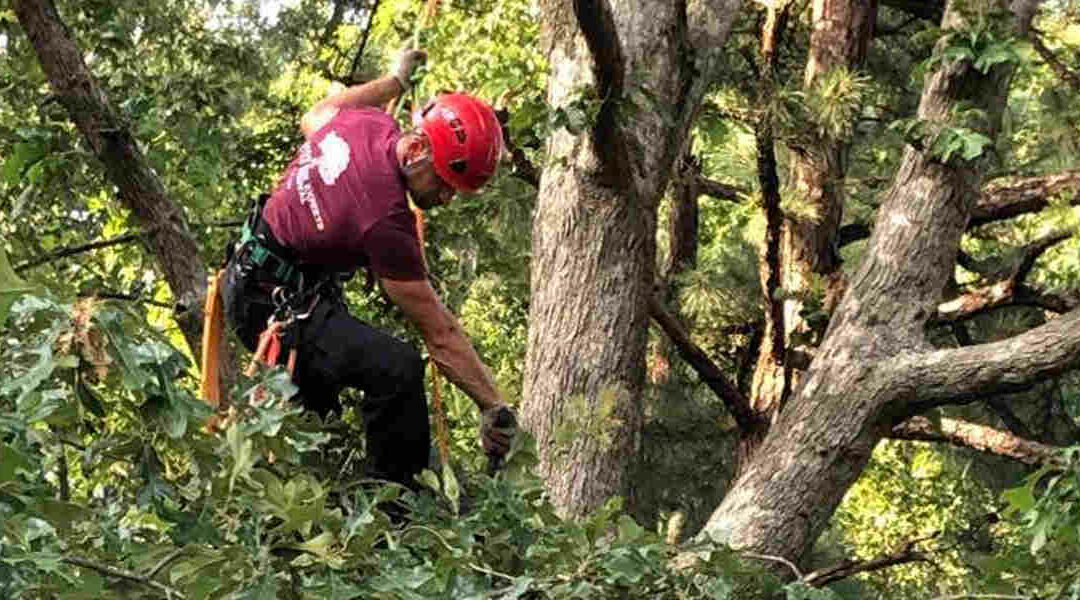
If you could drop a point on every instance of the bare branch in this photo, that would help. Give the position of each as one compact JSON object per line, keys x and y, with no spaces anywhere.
{"x":736,"y":403}
{"x":975,"y":302}
{"x":73,"y":250}
{"x":775,"y":559}
{"x":364,"y":39}
{"x":1000,"y":293}
{"x":105,"y":295}
{"x":946,"y":375}
{"x":719,"y":190}
{"x":165,"y":561}
{"x":1004,"y":199}
{"x":852,"y":233}
{"x":1000,"y":200}
{"x":123,"y":574}
{"x":977,"y":437}
{"x":907,"y":554}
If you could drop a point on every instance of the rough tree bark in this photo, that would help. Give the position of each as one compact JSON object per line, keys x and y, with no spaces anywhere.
{"x":875,"y":368}
{"x":594,"y":228}
{"x":140,"y":191}
{"x":841,"y":34}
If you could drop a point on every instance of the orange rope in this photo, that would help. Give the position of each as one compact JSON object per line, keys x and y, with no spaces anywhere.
{"x":441,"y":426}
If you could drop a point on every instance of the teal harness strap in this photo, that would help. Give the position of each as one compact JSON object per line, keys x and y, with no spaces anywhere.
{"x":260,"y":253}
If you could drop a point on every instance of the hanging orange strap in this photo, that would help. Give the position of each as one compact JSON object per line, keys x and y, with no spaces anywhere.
{"x":213,"y":327}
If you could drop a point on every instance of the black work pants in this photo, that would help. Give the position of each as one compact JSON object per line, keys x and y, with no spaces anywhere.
{"x":336,"y":350}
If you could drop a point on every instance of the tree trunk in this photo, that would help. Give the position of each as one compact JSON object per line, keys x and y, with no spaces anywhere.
{"x":842,"y":30}
{"x":140,"y":191}
{"x":875,"y":368}
{"x":594,"y":229}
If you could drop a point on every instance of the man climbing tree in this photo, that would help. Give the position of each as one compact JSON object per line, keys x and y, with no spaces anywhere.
{"x":341,"y":204}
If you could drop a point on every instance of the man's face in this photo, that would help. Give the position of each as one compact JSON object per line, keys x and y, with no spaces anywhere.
{"x":426,"y":188}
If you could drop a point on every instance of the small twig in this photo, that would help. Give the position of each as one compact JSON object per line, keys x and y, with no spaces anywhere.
{"x":364,"y":39}
{"x":123,"y":574}
{"x":165,"y":561}
{"x":477,"y":567}
{"x":128,"y":297}
{"x":70,"y":251}
{"x":778,"y":559}
{"x":984,"y":596}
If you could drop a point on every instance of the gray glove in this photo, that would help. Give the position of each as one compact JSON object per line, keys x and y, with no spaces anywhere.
{"x":407,"y":62}
{"x":498,"y":426}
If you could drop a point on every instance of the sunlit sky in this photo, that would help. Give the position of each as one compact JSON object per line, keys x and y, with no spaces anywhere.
{"x":269,"y":9}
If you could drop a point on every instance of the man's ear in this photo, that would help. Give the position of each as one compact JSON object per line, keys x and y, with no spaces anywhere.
{"x":416,"y":148}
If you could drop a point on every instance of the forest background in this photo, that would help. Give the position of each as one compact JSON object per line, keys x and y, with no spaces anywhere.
{"x":785,"y":294}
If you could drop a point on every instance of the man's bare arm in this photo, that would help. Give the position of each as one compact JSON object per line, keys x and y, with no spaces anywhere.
{"x":376,"y":92}
{"x":446,"y":341}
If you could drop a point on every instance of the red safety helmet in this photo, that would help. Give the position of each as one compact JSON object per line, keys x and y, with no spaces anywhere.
{"x":466,"y":140}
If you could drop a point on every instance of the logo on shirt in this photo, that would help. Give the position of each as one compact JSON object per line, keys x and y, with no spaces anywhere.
{"x":332,"y":161}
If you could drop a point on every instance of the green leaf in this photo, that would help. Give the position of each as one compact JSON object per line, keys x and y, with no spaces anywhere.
{"x":11,"y":287}
{"x":994,"y":55}
{"x":25,"y":154}
{"x":629,"y":530}
{"x":265,"y":589}
{"x":11,"y":460}
{"x":242,"y":454}
{"x":452,"y":488}
{"x":1020,"y":499}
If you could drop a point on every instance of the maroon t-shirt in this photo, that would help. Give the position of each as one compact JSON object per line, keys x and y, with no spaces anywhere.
{"x":341,"y":202}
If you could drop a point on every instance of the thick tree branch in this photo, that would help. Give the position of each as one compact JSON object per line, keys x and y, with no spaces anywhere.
{"x":736,"y":403}
{"x":719,"y":190}
{"x":169,"y":592}
{"x":597,"y":24}
{"x":1000,"y":200}
{"x":73,"y":250}
{"x":953,"y":375}
{"x":1004,"y":199}
{"x":852,"y":233}
{"x":976,"y":437}
{"x":138,"y":187}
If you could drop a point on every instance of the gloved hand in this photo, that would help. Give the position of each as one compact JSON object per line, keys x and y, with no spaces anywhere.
{"x":497,"y":430}
{"x":407,"y":62}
